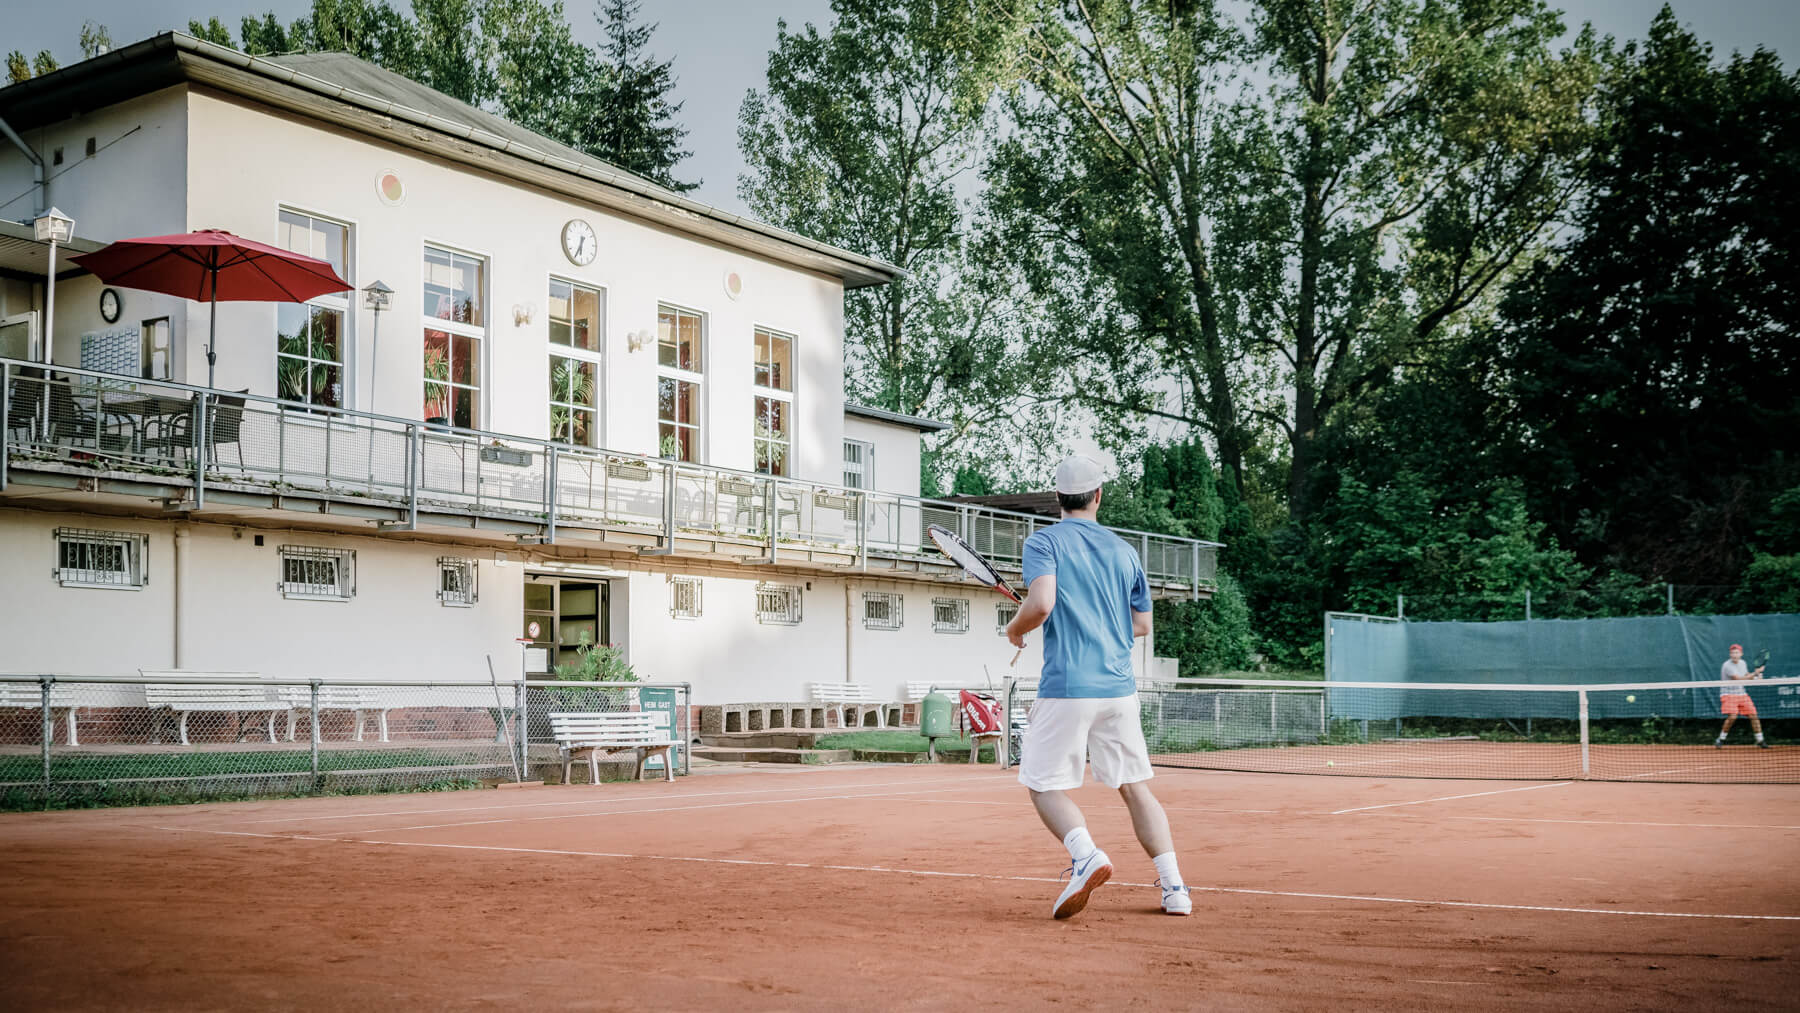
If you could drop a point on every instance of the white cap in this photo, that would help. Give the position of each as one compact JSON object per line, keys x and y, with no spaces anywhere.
{"x":1076,"y":475}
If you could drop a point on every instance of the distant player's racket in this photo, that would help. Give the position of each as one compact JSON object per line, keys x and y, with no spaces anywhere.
{"x":964,"y":555}
{"x":1762,"y":661}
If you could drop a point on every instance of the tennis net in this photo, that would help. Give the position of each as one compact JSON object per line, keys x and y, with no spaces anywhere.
{"x":1623,"y":732}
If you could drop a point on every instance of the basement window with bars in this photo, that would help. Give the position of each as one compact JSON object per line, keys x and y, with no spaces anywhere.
{"x":778,"y":604}
{"x":949,"y":615}
{"x":456,"y":582}
{"x":318,"y":574}
{"x":1004,"y":614}
{"x":101,"y":559}
{"x":883,"y":610}
{"x":684,"y":598}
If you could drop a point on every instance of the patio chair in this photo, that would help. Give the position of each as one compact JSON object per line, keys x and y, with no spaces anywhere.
{"x":24,"y":401}
{"x":787,"y":504}
{"x":70,"y":421}
{"x":223,"y":424}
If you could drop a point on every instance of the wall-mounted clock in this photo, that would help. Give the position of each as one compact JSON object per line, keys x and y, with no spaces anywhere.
{"x":579,"y":242}
{"x":109,"y":305}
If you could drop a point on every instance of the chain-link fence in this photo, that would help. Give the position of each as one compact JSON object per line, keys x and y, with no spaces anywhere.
{"x":185,"y":736}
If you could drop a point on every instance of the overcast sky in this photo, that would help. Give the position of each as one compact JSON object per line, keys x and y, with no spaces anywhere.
{"x":720,"y":47}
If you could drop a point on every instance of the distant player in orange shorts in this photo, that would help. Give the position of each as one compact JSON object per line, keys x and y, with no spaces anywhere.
{"x":1733,"y":700}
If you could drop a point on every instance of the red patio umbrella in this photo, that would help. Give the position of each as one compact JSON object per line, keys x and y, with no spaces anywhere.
{"x":211,"y":265}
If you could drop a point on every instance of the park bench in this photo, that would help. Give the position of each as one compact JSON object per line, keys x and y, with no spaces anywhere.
{"x":588,"y":735}
{"x":30,"y":696}
{"x":240,"y":694}
{"x":359,"y":700}
{"x":846,"y":697}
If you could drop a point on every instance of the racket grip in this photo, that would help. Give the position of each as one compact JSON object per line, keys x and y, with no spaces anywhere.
{"x":1015,"y":662}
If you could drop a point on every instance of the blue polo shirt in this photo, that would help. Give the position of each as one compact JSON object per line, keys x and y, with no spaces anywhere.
{"x":1099,"y":584}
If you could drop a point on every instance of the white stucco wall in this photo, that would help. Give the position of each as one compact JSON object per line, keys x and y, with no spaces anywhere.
{"x":896,"y":452}
{"x":333,"y":174}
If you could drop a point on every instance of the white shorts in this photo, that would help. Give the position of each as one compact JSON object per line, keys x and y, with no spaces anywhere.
{"x":1066,"y":733}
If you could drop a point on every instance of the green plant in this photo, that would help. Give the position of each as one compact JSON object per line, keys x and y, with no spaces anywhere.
{"x":574,"y":386}
{"x":437,"y":380}
{"x":670,"y":447}
{"x":770,"y":452}
{"x":596,"y":663}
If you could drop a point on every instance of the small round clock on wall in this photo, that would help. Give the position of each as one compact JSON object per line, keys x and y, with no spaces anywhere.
{"x":109,"y":305}
{"x":579,"y":242}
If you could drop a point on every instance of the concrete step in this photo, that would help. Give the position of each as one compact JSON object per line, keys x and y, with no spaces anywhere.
{"x":793,"y":739}
{"x":742,"y":754}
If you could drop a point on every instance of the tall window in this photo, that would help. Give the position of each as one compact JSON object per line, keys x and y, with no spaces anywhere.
{"x":577,"y":339}
{"x":859,"y":465}
{"x":774,"y":446}
{"x":310,"y":336}
{"x":455,"y":324}
{"x":680,"y":371}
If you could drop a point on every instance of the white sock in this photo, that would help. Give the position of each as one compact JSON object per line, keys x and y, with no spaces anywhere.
{"x":1166,"y":870}
{"x":1759,"y":736}
{"x":1080,"y":845}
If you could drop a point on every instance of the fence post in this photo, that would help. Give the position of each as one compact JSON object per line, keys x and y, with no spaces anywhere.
{"x":520,"y":698}
{"x":550,"y":497}
{"x":1581,"y":694}
{"x":1528,"y":604}
{"x":314,"y":708}
{"x":414,"y":465}
{"x":49,"y":726}
{"x":687,"y":731}
{"x":1400,"y":607}
{"x":1003,"y":749}
{"x":1669,"y":589}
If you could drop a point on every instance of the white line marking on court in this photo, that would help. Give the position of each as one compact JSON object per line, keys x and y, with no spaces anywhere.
{"x":1682,"y":770}
{"x":1629,"y":823}
{"x":589,"y":801}
{"x":1440,"y":981}
{"x":1449,"y":798}
{"x":1167,"y":808}
{"x":1360,"y":898}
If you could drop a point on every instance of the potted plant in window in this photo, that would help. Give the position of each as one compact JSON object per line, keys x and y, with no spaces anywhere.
{"x":437,"y":386}
{"x":770,"y":454}
{"x":576,"y":387}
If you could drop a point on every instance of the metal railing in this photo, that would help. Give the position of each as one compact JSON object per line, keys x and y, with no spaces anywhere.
{"x":195,"y":439}
{"x":186,"y":736}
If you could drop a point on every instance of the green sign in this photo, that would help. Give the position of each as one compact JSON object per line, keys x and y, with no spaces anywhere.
{"x":661,"y":703}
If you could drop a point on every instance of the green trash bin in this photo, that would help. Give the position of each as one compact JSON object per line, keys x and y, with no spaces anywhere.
{"x":935,"y":713}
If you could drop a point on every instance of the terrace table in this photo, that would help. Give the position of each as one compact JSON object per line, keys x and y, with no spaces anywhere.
{"x":167,"y":416}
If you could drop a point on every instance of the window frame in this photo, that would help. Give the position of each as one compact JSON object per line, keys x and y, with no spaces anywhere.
{"x":134,"y":554}
{"x":787,"y":397}
{"x":481,"y":333}
{"x":344,"y":561}
{"x":892,"y":602}
{"x":867,"y":474}
{"x":958,"y":624}
{"x":695,"y":606}
{"x":598,"y":359}
{"x":789,"y":614}
{"x":680,"y":375}
{"x":469,"y":593}
{"x":1004,"y":613}
{"x":341,"y":303}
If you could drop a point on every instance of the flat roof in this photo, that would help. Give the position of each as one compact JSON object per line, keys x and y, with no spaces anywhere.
{"x":896,"y":418}
{"x":343,"y":90}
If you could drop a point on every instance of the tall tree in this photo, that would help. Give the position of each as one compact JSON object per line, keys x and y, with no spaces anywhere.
{"x":1281,"y":250}
{"x":1653,"y":392}
{"x":862,"y":138}
{"x":633,"y":121}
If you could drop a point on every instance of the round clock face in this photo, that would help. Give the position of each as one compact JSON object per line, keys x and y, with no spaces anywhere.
{"x":109,"y":305}
{"x":579,"y":242}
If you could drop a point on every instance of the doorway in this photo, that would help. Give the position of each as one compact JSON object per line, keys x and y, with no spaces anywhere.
{"x":559,"y":611}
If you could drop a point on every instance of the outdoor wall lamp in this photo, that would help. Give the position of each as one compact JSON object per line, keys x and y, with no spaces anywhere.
{"x":636,"y":340}
{"x":377,"y":296}
{"x":522,"y":313}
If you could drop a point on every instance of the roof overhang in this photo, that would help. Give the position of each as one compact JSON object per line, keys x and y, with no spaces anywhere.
{"x":895,"y":418}
{"x":22,"y":256}
{"x":174,"y":58}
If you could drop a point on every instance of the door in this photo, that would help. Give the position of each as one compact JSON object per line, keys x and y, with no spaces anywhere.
{"x":559,"y":611}
{"x":18,"y":337}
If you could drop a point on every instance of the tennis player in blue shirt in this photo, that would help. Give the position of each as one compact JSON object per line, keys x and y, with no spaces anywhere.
{"x":1086,"y":587}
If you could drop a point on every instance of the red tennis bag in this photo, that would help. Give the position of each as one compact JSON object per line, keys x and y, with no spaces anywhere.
{"x":981,"y":713}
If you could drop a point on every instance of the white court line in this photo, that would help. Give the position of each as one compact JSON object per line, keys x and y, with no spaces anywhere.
{"x":660,"y":809}
{"x":1682,"y":770}
{"x":1448,"y":798}
{"x":1167,"y":808}
{"x":1359,"y":898}
{"x":1628,"y":823}
{"x":590,"y":801}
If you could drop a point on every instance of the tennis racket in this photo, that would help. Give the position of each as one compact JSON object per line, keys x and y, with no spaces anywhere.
{"x":964,"y":555}
{"x":1761,"y":662}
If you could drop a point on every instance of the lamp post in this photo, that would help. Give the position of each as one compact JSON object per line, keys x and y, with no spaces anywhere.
{"x":376,"y":297}
{"x":51,"y":227}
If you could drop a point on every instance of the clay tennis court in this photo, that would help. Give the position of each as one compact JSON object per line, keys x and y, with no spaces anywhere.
{"x":913,"y":887}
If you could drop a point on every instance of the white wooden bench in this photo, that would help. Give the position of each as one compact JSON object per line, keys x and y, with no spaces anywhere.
{"x":847,"y":697}
{"x":359,"y":700}
{"x":235,"y":693}
{"x":30,"y":696}
{"x":590,"y":734}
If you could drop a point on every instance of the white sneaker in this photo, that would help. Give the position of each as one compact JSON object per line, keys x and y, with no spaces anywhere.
{"x":1084,"y":878}
{"x":1176,"y":900}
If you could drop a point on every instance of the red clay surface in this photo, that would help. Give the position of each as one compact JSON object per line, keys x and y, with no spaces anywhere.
{"x":920,"y":887}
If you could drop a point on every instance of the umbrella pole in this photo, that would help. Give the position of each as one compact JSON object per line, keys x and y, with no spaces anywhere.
{"x":212,"y":329}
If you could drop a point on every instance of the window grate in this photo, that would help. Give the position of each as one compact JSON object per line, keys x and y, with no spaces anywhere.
{"x":778,"y":604}
{"x":1004,"y":614}
{"x":86,"y":558}
{"x":883,"y":610}
{"x":457,"y":582}
{"x":318,"y":574}
{"x":949,"y":615}
{"x":684,"y":598}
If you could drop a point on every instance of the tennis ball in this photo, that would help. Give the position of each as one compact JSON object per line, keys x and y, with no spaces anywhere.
{"x":1631,"y":699}
{"x":1330,"y":763}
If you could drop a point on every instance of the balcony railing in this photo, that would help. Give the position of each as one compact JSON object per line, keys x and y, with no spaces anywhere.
{"x":194,"y":440}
